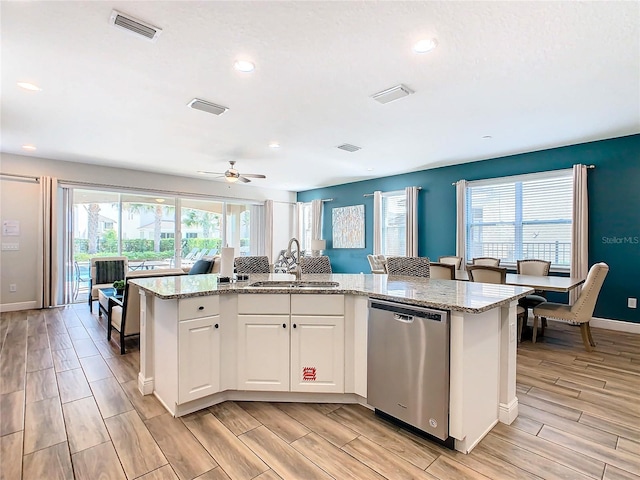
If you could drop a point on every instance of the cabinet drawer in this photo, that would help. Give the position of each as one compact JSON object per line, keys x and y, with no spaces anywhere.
{"x":196,"y":307}
{"x":312,"y":304}
{"x":263,"y":303}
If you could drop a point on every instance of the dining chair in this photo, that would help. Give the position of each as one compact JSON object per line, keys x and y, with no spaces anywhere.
{"x":538,"y":268}
{"x":490,"y":274}
{"x":581,"y":311}
{"x":490,"y":261}
{"x":408,"y":266}
{"x":442,"y":271}
{"x":452,"y":260}
{"x":378,"y":263}
{"x":319,"y":264}
{"x":103,"y":272}
{"x":252,"y":264}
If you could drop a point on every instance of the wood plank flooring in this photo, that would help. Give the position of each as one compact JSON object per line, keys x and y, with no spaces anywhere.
{"x":70,"y":408}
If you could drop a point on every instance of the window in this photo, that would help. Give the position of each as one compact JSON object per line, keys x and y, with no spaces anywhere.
{"x":306,"y":227}
{"x":515,"y":218}
{"x":394,"y":224}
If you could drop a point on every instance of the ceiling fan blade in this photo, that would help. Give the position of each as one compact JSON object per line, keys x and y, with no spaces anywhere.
{"x":211,"y":173}
{"x":243,"y":180}
{"x":253,"y":175}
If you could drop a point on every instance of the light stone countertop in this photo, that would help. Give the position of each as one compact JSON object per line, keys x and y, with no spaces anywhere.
{"x":424,"y":292}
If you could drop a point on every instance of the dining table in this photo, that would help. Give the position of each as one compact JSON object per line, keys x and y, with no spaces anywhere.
{"x":547,"y":283}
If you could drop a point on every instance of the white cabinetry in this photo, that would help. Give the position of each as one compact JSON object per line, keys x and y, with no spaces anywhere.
{"x":291,"y":342}
{"x":317,"y":343}
{"x":263,"y":342}
{"x":198,"y":348}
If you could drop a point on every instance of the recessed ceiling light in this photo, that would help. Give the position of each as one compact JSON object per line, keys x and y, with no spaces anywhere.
{"x":29,"y":147}
{"x":487,"y":137}
{"x":244,"y":66}
{"x":29,"y":86}
{"x":426,"y":45}
{"x":160,"y":200}
{"x":274,"y":145}
{"x":369,"y":169}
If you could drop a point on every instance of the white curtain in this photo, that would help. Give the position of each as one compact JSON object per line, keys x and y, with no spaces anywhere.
{"x":47,"y":245}
{"x":412,"y":221}
{"x":316,"y":219}
{"x":299,"y":221}
{"x":268,"y":229}
{"x":377,"y":222}
{"x":461,"y":220}
{"x":257,"y":238}
{"x":580,"y":228}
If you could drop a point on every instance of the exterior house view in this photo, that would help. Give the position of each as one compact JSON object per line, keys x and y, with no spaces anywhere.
{"x":314,"y":240}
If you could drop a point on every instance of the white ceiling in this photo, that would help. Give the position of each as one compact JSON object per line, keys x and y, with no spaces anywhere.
{"x":532,"y":75}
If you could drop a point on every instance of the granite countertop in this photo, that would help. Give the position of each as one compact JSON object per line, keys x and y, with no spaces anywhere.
{"x":424,"y":292}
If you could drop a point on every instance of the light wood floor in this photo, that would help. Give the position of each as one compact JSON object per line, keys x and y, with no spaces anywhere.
{"x":70,"y":409}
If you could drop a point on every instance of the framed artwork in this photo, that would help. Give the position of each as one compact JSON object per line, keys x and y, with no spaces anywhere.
{"x":348,"y":227}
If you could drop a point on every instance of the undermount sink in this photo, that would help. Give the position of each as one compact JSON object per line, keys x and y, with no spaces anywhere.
{"x":293,"y":284}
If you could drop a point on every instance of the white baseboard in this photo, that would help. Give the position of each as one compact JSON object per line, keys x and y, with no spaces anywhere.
{"x":619,"y":325}
{"x":14,"y":307}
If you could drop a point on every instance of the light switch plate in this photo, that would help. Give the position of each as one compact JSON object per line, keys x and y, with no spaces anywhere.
{"x":14,"y":246}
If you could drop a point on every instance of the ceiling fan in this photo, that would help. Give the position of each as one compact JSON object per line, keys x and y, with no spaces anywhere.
{"x":232,"y":175}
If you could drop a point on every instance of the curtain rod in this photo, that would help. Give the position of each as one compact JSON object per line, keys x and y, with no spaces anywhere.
{"x":26,"y":177}
{"x":371,"y":194}
{"x":589,"y":167}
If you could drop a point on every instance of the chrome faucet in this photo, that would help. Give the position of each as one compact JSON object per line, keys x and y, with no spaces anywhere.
{"x":295,"y":270}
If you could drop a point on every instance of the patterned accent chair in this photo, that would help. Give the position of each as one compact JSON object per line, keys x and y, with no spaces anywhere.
{"x":451,"y":260}
{"x":442,"y":271}
{"x":257,"y":264}
{"x":320,"y":264}
{"x":103,"y":272}
{"x":581,"y":311}
{"x":408,"y":266}
{"x":489,"y":261}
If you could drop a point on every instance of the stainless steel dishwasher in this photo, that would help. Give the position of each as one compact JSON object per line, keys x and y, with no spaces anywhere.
{"x":408,"y":366}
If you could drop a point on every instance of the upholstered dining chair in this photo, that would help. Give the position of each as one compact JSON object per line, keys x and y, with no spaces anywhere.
{"x":489,"y":274}
{"x":378,"y":263}
{"x":409,"y":266}
{"x":451,"y":260}
{"x":255,"y":264}
{"x":539,"y":268}
{"x":490,"y":261}
{"x":581,"y":311}
{"x":442,"y":271}
{"x":319,"y":264}
{"x":103,"y":272}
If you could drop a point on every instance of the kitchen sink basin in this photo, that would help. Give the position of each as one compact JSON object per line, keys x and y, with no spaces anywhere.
{"x":293,"y":284}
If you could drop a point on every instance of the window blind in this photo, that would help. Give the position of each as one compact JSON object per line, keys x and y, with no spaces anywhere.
{"x":394,"y":224}
{"x":514,"y":218}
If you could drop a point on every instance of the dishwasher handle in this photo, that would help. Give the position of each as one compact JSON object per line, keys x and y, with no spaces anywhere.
{"x":403,"y":318}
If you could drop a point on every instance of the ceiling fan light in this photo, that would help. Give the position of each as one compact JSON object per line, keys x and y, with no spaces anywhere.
{"x":231,"y":179}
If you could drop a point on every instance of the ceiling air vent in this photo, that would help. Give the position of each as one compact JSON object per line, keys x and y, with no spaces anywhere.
{"x":134,"y":25}
{"x":347,"y":147}
{"x":393,"y":93}
{"x":207,"y":106}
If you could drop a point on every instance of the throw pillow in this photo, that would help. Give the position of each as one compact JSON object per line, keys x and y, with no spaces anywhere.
{"x":200,"y":267}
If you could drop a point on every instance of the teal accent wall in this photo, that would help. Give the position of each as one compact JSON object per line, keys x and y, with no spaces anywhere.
{"x":614,"y":210}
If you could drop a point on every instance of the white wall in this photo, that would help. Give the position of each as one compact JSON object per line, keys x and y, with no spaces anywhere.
{"x":20,"y":201}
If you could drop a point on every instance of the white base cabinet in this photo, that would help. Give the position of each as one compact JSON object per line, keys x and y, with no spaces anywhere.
{"x":291,"y":343}
{"x":199,"y":358}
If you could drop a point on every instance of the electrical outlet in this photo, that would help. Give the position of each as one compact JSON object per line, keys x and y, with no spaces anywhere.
{"x":13,"y":287}
{"x":632,"y":302}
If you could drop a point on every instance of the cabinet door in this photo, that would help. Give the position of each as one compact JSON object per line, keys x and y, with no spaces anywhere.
{"x":263,"y":352}
{"x":199,"y":358}
{"x":317,"y":353}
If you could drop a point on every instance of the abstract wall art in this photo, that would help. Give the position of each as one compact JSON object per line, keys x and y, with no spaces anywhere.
{"x":348,"y":227}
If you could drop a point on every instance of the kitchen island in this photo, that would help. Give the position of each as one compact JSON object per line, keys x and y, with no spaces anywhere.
{"x":202,"y":342}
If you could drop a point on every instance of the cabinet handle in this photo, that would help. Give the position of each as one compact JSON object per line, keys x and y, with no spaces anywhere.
{"x":200,"y":307}
{"x":295,"y":326}
{"x":216,"y":325}
{"x":284,"y":325}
